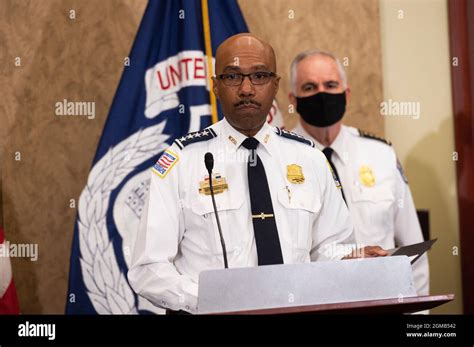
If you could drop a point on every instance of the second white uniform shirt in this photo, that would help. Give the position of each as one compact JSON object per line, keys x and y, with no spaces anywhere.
{"x":377,"y":194}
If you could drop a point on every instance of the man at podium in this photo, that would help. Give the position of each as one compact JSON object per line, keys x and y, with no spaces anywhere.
{"x":276,"y":200}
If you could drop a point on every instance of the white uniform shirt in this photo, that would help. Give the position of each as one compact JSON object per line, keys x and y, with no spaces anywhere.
{"x":383,"y":214}
{"x":178,"y":236}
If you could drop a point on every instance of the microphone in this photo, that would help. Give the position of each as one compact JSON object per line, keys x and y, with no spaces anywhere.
{"x":209,"y":162}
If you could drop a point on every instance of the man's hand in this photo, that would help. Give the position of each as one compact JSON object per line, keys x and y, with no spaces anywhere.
{"x":367,"y":252}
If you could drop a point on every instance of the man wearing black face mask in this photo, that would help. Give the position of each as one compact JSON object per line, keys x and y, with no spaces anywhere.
{"x":374,"y":186}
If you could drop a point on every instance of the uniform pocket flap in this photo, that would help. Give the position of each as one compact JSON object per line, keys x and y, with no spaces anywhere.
{"x":299,"y":199}
{"x":373,"y":194}
{"x":202,"y":205}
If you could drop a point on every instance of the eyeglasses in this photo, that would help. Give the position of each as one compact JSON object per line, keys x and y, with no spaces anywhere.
{"x":236,"y":79}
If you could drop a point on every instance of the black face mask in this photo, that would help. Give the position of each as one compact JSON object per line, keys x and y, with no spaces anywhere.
{"x":322,"y":109}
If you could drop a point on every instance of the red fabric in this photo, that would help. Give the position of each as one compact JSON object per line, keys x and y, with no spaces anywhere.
{"x":9,"y":301}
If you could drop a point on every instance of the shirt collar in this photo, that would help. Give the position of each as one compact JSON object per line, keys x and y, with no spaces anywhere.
{"x":233,"y":138}
{"x":338,"y":145}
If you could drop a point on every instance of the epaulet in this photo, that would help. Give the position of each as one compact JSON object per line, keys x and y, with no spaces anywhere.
{"x":367,"y":135}
{"x":197,"y":136}
{"x":293,"y":136}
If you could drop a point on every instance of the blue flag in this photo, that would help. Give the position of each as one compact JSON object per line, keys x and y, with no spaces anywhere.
{"x":163,"y":94}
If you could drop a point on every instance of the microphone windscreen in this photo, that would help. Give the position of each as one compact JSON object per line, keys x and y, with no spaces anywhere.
{"x":209,"y":161}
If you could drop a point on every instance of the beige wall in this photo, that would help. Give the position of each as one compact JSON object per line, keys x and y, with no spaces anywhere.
{"x":348,"y":29}
{"x":416,"y":67}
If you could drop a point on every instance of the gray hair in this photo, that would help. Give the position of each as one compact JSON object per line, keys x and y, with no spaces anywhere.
{"x":310,"y":53}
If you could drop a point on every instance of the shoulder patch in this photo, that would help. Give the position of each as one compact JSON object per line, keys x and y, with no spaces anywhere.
{"x":164,"y":164}
{"x":293,"y":136}
{"x":197,"y":136}
{"x":367,"y":135}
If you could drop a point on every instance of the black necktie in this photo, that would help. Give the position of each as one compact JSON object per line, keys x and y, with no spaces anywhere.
{"x":263,"y":218}
{"x":328,"y":151}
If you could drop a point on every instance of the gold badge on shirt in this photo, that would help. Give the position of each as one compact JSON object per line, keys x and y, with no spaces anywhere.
{"x":294,"y":174}
{"x":219,"y":184}
{"x":366,"y":176}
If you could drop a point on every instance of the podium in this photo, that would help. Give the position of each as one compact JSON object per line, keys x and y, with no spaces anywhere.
{"x":387,"y":306}
{"x":369,"y":285}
